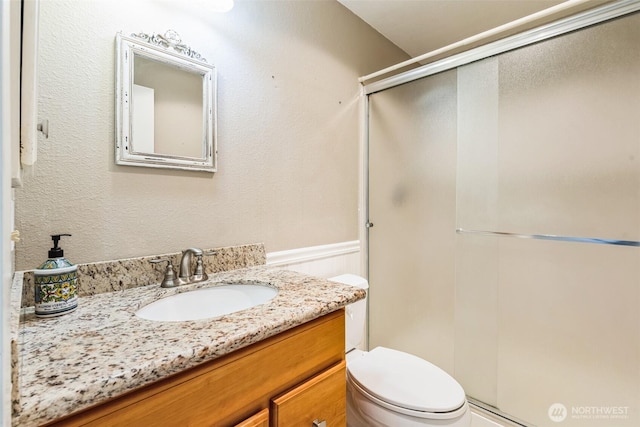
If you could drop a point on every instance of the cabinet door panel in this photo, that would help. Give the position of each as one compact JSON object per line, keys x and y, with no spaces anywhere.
{"x":322,"y":398}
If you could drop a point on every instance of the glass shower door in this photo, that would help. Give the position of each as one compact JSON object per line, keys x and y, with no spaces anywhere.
{"x":412,"y":163}
{"x":505,"y":197}
{"x":548,"y":222}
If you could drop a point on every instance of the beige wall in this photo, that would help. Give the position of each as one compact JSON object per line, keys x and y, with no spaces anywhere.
{"x":288,"y":131}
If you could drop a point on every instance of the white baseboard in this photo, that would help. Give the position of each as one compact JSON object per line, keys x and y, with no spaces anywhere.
{"x":323,"y":261}
{"x":312,"y":253}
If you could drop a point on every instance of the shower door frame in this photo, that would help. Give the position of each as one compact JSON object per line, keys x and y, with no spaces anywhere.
{"x":581,"y":20}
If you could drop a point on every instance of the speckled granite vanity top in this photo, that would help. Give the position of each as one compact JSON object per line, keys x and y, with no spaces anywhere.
{"x":103,"y":349}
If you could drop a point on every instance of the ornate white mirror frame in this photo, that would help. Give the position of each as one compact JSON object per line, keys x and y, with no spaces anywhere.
{"x":172,"y":71}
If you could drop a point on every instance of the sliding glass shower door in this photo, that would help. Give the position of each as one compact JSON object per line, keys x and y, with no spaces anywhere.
{"x":505,"y":198}
{"x":412,"y":174}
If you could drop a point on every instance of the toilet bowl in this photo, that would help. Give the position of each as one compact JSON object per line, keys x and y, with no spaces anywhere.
{"x":391,"y":388}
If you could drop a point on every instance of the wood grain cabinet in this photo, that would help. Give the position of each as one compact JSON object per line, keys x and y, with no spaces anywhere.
{"x":295,"y":378}
{"x":261,"y":419}
{"x":318,"y":402}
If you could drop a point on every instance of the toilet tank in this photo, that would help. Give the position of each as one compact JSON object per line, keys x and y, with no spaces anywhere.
{"x":356,"y":313}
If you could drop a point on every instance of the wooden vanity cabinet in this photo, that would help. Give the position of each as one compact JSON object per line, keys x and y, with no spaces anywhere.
{"x":299,"y":373}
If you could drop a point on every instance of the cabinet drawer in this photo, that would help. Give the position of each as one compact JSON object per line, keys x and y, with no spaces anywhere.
{"x":261,"y":419}
{"x":322,"y":398}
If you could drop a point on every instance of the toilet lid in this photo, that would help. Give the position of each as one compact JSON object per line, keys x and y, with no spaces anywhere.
{"x":407,"y":381}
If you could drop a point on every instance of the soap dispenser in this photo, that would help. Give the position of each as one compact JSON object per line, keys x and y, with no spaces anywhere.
{"x":56,"y":283}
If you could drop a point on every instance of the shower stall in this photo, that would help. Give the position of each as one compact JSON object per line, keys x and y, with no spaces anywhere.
{"x":503,"y":189}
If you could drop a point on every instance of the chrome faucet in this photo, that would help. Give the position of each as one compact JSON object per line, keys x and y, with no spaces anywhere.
{"x":184,"y":276}
{"x":185,"y":264}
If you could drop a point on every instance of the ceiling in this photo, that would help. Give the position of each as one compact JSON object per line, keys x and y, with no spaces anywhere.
{"x":421,"y":26}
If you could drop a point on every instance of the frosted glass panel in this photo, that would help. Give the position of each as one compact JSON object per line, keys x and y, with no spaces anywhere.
{"x":476,"y":303}
{"x":543,"y":140}
{"x":477,"y":180}
{"x":570,"y":132}
{"x":476,"y":317}
{"x":412,"y":205}
{"x":569,"y":165}
{"x":569,"y":331}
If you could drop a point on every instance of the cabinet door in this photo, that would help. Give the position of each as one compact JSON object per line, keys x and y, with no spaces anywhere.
{"x":322,"y":398}
{"x":261,"y":419}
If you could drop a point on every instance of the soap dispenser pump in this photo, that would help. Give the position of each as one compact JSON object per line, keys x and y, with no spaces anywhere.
{"x":56,"y":283}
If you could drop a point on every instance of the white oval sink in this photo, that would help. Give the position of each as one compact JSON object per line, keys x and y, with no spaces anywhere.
{"x":207,"y":302}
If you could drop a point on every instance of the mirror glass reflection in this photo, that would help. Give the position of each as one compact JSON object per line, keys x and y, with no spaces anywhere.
{"x":167,"y":109}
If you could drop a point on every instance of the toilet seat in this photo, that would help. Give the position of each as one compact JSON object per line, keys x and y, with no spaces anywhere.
{"x":407,"y":384}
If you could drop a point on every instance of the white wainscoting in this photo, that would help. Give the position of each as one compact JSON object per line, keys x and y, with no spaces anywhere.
{"x":321,"y":261}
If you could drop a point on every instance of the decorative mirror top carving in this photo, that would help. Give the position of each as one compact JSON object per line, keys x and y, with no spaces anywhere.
{"x":170,"y":40}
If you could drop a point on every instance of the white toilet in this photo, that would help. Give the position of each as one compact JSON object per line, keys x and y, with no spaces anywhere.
{"x":391,"y":388}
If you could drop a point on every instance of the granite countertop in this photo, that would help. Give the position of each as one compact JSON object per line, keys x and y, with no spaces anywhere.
{"x":103,"y":349}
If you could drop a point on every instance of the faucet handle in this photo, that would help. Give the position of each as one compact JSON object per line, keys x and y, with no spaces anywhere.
{"x":169,"y":275}
{"x":199,"y":274}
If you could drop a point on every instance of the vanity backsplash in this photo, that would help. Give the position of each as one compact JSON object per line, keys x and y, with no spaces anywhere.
{"x":117,"y":275}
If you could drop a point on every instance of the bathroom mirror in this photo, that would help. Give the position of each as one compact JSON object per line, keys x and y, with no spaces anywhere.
{"x":165,"y":102}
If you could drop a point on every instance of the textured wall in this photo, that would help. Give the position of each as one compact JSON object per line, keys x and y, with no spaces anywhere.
{"x":287,"y":129}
